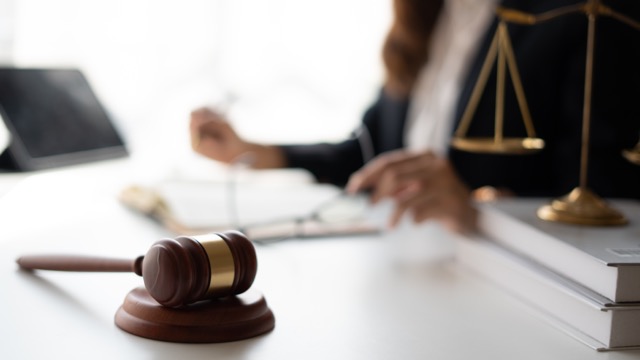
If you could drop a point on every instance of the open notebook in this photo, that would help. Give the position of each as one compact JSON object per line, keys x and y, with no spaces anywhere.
{"x":263,"y":212}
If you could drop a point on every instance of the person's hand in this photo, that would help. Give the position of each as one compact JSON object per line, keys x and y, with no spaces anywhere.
{"x":213,"y":137}
{"x":422,"y":184}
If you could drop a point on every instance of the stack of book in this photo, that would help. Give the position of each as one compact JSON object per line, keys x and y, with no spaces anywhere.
{"x":585,"y":280}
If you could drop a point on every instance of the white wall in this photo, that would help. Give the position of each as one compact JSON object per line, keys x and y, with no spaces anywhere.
{"x":6,"y":29}
{"x":302,"y":70}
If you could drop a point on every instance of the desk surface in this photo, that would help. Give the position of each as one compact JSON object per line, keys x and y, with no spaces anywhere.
{"x":339,"y":298}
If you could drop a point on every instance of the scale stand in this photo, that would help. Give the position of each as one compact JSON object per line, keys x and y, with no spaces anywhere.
{"x":581,"y":206}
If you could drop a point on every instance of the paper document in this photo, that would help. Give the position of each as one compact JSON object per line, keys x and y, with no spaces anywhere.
{"x":262,"y":211}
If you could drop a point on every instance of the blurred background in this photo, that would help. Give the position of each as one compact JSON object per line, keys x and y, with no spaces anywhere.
{"x":287,"y":70}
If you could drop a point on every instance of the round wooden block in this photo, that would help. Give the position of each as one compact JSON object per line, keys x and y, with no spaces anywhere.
{"x":210,"y":321}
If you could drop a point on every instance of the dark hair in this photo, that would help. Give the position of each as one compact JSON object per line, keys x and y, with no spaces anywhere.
{"x":405,"y":49}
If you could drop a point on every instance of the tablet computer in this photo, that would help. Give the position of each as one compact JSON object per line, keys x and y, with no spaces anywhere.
{"x":54,"y":119}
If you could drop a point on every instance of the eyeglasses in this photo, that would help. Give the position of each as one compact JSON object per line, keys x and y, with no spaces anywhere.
{"x":342,"y":215}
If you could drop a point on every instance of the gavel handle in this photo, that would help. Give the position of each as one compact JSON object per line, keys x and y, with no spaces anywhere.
{"x":80,"y":263}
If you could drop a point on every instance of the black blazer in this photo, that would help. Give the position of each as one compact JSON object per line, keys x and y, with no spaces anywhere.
{"x":551,"y":62}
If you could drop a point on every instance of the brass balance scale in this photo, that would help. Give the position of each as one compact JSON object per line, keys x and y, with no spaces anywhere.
{"x":581,"y":206}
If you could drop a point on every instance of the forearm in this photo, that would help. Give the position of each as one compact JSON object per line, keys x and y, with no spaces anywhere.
{"x":266,"y":156}
{"x":329,"y":163}
{"x":335,"y":162}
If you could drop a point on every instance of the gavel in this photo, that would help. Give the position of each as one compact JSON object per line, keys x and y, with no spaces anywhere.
{"x":176,"y":272}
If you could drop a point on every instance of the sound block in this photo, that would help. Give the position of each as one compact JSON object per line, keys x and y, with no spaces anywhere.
{"x":210,"y":321}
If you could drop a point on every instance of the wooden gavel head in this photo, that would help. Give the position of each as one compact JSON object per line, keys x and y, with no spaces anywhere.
{"x":187,"y":269}
{"x":178,"y":271}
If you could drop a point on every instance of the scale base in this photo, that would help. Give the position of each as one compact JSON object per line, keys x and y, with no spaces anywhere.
{"x":211,"y":321}
{"x":582,"y":207}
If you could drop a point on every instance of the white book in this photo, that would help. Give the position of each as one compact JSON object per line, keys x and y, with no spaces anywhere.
{"x":604,"y":259}
{"x":580,"y":312}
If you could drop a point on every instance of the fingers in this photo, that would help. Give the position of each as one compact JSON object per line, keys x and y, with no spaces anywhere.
{"x":449,"y":205}
{"x":392,"y":173}
{"x":203,"y":117}
{"x":200,"y":120}
{"x":213,"y":137}
{"x":372,"y":173}
{"x":421,"y":184}
{"x":420,"y":200}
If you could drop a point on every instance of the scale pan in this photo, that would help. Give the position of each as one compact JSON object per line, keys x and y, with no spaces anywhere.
{"x":491,"y":145}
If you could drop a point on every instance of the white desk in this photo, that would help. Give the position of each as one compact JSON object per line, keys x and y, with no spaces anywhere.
{"x":341,"y":298}
{"x":9,"y":180}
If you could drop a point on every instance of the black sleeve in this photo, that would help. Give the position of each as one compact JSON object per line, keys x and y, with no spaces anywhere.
{"x":335,"y":162}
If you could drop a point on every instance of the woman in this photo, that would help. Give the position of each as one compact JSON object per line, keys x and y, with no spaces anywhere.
{"x":433,"y":55}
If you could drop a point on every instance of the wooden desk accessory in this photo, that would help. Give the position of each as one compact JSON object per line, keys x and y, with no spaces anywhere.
{"x":194,"y":288}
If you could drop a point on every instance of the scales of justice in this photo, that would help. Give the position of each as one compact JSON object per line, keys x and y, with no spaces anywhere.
{"x":581,"y":206}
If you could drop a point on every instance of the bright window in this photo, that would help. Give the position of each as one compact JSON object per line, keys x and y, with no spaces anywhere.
{"x":300,"y":70}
